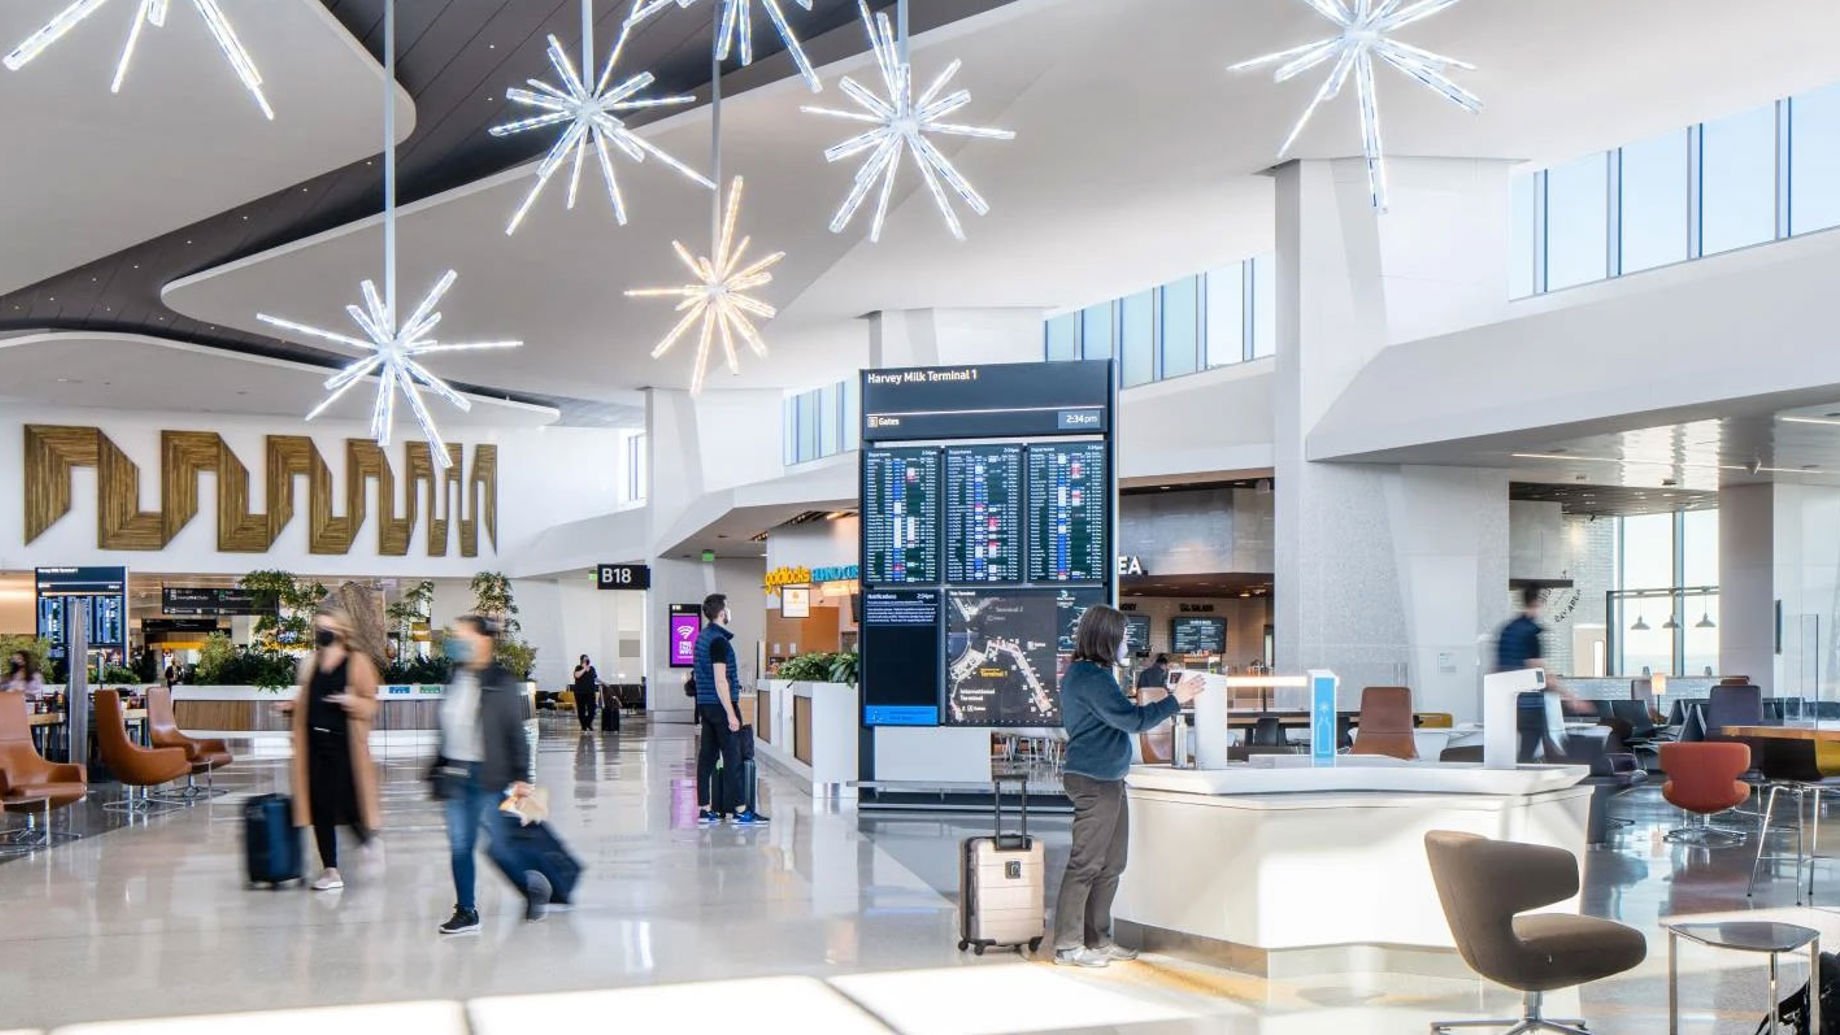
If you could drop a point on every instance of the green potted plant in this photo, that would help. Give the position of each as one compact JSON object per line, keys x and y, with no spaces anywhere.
{"x":492,"y":598}
{"x":291,"y":601}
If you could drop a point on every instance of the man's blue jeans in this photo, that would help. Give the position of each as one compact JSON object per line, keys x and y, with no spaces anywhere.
{"x":471,"y":807}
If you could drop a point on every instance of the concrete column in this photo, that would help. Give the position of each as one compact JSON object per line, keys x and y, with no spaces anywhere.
{"x":1386,"y":574}
{"x":945,"y":337}
{"x":1747,"y":588}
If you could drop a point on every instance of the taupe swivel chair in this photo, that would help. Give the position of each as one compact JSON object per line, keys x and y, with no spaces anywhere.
{"x":1484,"y":884}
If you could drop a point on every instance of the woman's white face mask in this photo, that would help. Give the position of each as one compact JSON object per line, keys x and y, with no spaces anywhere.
{"x":1123,"y":651}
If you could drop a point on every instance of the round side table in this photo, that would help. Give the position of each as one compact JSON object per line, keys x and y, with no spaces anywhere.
{"x":1766,"y":937}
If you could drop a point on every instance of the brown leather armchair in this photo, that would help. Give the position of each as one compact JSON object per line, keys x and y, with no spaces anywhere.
{"x":1386,"y":723}
{"x":31,"y":785}
{"x":133,"y":765}
{"x":205,"y":756}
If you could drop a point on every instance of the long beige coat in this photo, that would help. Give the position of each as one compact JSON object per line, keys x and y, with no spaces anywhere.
{"x":361,"y":684}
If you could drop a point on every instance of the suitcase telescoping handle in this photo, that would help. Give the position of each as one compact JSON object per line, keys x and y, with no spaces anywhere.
{"x":1021,"y":783}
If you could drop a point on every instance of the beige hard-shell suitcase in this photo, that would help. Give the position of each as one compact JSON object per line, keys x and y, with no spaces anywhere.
{"x":1001,"y":893}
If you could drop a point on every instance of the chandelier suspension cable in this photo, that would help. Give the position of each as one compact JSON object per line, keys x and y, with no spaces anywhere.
{"x":900,"y":22}
{"x":715,"y":134}
{"x":389,"y":159}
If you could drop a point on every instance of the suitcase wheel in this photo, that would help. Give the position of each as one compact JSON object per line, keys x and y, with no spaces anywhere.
{"x":963,"y":945}
{"x":978,"y":948}
{"x":1034,"y":944}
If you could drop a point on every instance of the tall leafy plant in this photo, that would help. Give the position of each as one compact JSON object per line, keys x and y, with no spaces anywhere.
{"x":492,"y":599}
{"x":414,"y":607}
{"x":287,"y":602}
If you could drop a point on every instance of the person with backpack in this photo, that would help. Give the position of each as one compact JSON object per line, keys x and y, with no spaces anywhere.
{"x":484,"y":760}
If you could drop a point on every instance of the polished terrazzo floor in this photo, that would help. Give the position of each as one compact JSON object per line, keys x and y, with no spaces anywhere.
{"x":840,"y":922}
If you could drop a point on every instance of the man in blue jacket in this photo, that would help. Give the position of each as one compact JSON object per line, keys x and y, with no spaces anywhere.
{"x":718,"y":714}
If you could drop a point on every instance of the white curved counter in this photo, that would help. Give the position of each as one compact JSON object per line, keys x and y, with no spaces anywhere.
{"x":1283,"y":868}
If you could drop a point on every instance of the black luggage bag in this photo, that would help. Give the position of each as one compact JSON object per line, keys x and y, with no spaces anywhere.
{"x":273,"y":851}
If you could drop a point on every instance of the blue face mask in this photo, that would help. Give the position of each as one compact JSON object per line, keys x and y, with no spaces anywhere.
{"x":457,"y":650}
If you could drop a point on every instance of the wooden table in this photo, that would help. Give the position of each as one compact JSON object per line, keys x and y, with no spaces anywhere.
{"x":1823,"y":734}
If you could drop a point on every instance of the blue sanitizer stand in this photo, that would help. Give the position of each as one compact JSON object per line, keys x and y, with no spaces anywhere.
{"x":1323,"y":686}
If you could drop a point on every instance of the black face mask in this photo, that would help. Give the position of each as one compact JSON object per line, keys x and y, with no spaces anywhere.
{"x":325,"y":637}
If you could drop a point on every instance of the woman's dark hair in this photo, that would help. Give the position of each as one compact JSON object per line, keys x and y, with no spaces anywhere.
{"x":1097,"y":637}
{"x":1162,"y":659}
{"x":23,"y":662}
{"x":481,"y":624}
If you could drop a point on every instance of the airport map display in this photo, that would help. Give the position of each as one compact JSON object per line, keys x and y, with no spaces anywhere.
{"x":983,"y":518}
{"x":987,"y":507}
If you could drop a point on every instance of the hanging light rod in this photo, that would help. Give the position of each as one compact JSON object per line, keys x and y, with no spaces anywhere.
{"x":150,"y":12}
{"x":735,"y":31}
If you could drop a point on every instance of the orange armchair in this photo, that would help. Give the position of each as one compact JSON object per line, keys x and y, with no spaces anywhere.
{"x":31,"y":785}
{"x":133,"y":765}
{"x":1703,"y":778}
{"x":206,"y":756}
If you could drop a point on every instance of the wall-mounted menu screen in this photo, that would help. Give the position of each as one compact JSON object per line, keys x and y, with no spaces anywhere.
{"x":1137,"y":633}
{"x":983,"y":505}
{"x":1004,"y":653}
{"x":1193,"y":635}
{"x":1069,"y":499}
{"x":900,"y":516}
{"x":901,"y":655}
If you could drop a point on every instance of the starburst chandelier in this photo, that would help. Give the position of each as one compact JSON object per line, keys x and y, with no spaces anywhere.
{"x":901,"y":124}
{"x":718,"y":296}
{"x":589,"y":105}
{"x":393,"y":346}
{"x":151,"y":12}
{"x":1366,"y":28}
{"x":735,"y":29}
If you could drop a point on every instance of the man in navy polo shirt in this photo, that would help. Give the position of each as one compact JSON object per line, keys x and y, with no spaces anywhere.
{"x":718,"y":714}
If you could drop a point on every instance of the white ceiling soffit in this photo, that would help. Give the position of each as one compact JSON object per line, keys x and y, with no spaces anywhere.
{"x":1139,"y":159}
{"x":123,"y":372}
{"x":86,"y":173}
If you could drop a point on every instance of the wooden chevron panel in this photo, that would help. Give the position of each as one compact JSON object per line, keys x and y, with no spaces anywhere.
{"x":51,"y":452}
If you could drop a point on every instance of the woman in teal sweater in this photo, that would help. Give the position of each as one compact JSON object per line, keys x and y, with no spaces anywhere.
{"x":1100,"y":722}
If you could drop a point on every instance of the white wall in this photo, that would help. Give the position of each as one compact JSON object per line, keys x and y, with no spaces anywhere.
{"x":1806,"y":527}
{"x":1219,"y":420}
{"x":545,"y":476}
{"x":815,"y":544}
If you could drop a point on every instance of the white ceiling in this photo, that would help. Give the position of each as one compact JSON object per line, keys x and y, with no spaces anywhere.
{"x":1138,"y":159}
{"x":86,"y":173}
{"x":85,"y":370}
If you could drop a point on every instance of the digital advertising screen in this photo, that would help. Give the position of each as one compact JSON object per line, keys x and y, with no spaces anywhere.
{"x":900,"y":516}
{"x":1191,"y":634}
{"x":686,"y":625}
{"x":1069,"y":501}
{"x":1003,"y":657}
{"x":983,"y":513}
{"x":901,"y":657}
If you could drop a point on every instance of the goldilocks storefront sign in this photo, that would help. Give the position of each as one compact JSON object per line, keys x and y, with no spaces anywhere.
{"x":779,"y":578}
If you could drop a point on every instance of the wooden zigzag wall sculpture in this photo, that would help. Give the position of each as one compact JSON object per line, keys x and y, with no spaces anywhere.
{"x":52,"y":451}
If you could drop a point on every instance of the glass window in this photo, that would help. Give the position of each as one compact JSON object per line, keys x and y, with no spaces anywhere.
{"x":1654,"y":202}
{"x":1181,"y":326}
{"x":1738,"y":180}
{"x":1521,"y":235}
{"x":1264,"y":305}
{"x":1814,"y":160}
{"x":789,"y":434}
{"x":808,"y":426}
{"x":1700,"y":548}
{"x":1096,"y":331}
{"x":1137,"y":337}
{"x":1064,"y":336}
{"x":1226,"y":315}
{"x":1577,"y":222}
{"x":1699,"y":623}
{"x":830,"y":420}
{"x":852,"y":414}
{"x":1648,"y":552}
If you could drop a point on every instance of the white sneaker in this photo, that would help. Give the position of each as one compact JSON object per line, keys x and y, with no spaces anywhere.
{"x":329,"y":880}
{"x":1081,"y":957}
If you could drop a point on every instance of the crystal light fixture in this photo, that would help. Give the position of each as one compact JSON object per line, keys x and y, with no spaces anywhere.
{"x":589,"y":105}
{"x":735,"y":28}
{"x":718,"y":296}
{"x":1366,"y":26}
{"x":151,"y":12}
{"x":394,"y":346}
{"x":901,"y":124}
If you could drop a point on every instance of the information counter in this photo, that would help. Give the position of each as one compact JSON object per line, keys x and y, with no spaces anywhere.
{"x":240,"y":709}
{"x":1279,"y":868}
{"x":810,"y":730}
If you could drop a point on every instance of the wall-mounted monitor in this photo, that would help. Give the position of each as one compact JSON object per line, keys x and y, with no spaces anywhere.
{"x":686,"y":624}
{"x":1137,"y":633}
{"x":1070,"y":499}
{"x":1190,"y":634}
{"x":900,"y":516}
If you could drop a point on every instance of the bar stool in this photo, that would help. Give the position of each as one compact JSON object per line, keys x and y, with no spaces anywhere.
{"x":1789,"y":765}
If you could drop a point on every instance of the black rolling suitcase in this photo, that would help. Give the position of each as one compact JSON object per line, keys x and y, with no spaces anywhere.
{"x":610,"y":712}
{"x":718,"y":792}
{"x":551,"y":858}
{"x":272,"y":849}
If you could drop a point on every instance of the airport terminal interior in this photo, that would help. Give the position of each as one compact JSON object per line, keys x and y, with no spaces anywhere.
{"x":919,"y":516}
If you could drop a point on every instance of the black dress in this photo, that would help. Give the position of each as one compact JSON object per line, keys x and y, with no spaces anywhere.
{"x":332,"y":789}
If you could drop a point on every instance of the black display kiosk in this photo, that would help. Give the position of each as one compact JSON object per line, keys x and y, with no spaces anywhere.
{"x":989,"y":502}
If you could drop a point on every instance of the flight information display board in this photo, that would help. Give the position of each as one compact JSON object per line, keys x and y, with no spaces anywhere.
{"x":901,"y":656}
{"x":1192,"y":635}
{"x":900,"y":516}
{"x":1069,"y":505}
{"x":1002,"y":656}
{"x":983,"y":513}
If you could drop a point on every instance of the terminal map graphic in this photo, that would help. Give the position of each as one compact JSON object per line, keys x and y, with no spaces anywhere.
{"x":983,"y":504}
{"x":1069,"y":498}
{"x":1002,"y":658}
{"x":900,"y":516}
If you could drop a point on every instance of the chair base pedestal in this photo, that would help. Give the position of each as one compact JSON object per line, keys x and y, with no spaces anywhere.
{"x":1532,"y":1019}
{"x":1706,"y":836}
{"x":36,"y":834}
{"x":142,"y":805}
{"x":191,"y":793}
